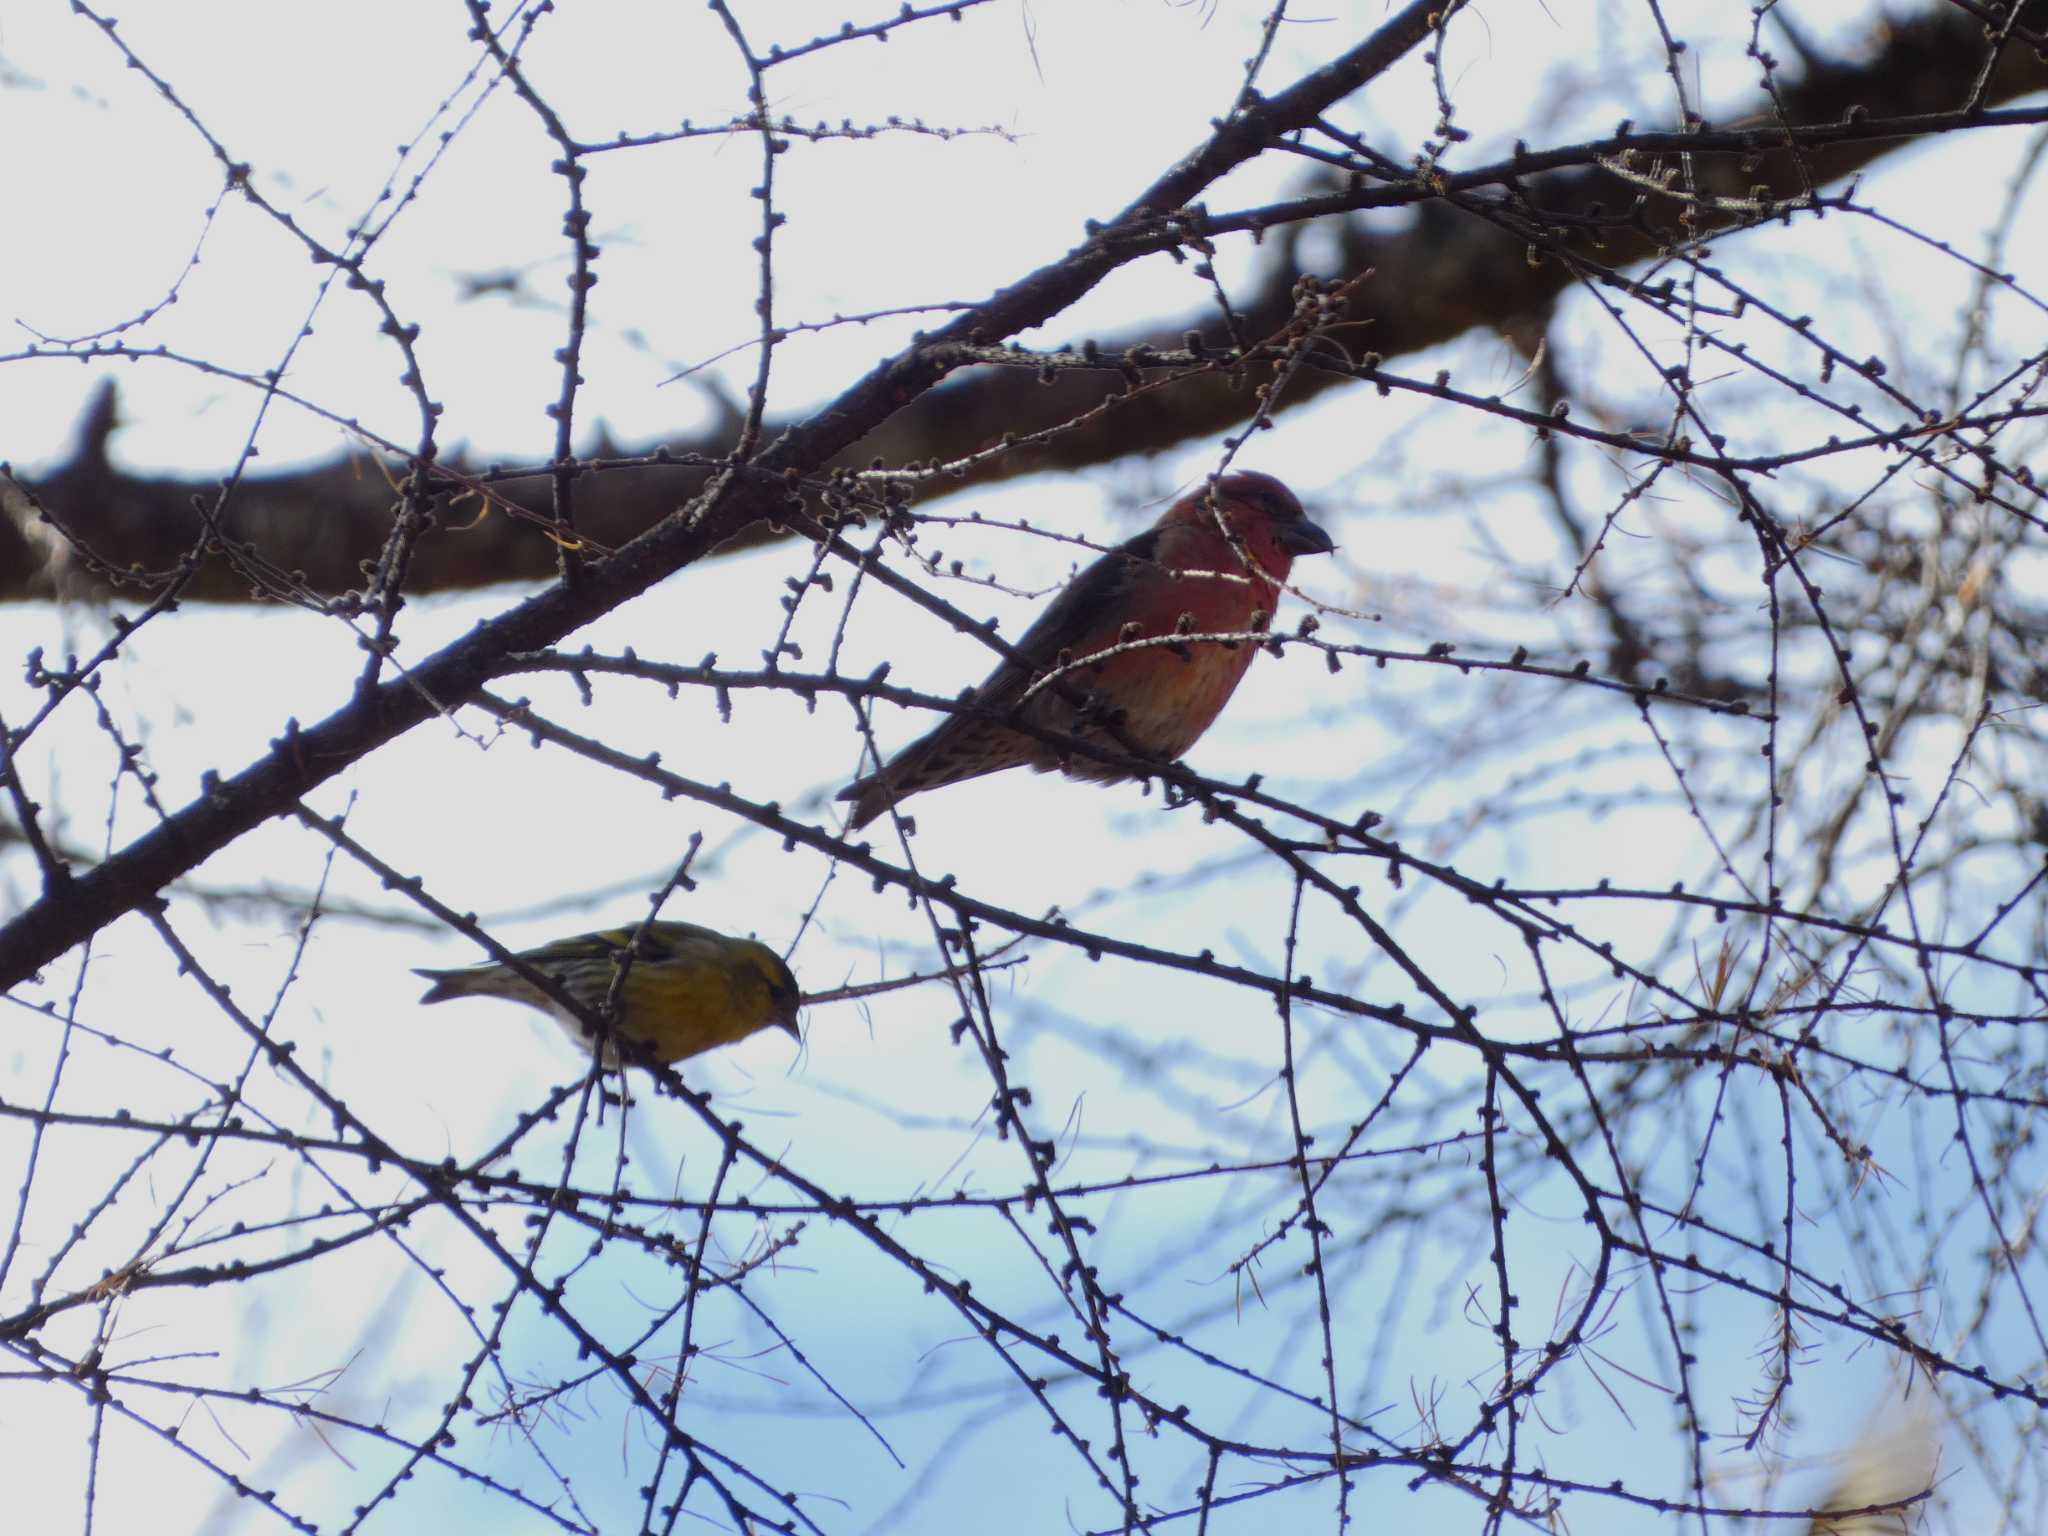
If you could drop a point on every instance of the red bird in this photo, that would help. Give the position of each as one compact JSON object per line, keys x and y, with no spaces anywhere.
{"x":1183,"y":574}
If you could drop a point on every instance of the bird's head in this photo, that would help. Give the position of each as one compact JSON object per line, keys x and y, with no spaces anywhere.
{"x":1261,"y":511}
{"x":765,"y":985}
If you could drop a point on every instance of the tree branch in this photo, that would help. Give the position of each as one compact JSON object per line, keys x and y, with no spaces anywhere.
{"x":1441,"y":274}
{"x":733,"y":500}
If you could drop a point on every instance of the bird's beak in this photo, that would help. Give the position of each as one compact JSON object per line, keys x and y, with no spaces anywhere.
{"x":786,"y":1020}
{"x":1302,"y":538}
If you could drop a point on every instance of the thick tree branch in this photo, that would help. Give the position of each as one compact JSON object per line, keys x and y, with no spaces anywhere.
{"x":734,"y":500}
{"x":1442,"y":273}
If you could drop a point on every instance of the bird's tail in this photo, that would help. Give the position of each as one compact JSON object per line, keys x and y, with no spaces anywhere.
{"x":446,"y":984}
{"x":872,"y":795}
{"x":960,"y":748}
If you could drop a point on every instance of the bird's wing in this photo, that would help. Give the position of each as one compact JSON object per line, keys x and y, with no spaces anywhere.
{"x":667,"y":940}
{"x":673,"y":934}
{"x":582,"y":946}
{"x":685,"y":941}
{"x":1085,"y":616}
{"x":1081,"y":618}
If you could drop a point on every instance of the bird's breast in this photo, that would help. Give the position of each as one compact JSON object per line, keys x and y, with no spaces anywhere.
{"x":1169,"y":695}
{"x":1166,"y":694}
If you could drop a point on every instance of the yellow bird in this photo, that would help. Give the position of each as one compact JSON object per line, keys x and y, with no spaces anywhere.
{"x":687,"y":989}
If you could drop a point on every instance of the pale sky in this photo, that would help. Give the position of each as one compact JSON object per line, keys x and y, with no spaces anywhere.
{"x":1091,"y":99}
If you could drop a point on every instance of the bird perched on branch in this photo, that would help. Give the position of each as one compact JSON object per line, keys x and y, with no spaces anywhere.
{"x":686,"y":988}
{"x":1211,"y":565}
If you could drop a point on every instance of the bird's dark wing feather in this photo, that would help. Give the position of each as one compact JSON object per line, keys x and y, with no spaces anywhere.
{"x":671,"y":937}
{"x":1100,"y":588}
{"x":964,"y":746}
